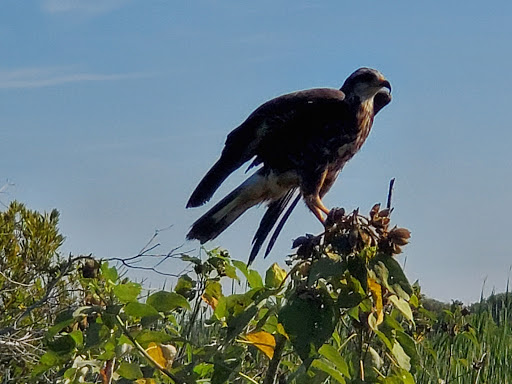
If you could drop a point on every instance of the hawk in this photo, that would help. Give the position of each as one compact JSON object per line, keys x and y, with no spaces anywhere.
{"x":300,"y":141}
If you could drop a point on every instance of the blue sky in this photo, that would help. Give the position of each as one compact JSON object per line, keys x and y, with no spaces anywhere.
{"x":112,"y":110}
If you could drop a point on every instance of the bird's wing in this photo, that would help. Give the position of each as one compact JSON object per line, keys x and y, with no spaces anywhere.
{"x":255,"y":134}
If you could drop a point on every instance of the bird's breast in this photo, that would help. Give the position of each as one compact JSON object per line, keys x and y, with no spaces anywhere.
{"x":364,"y":121}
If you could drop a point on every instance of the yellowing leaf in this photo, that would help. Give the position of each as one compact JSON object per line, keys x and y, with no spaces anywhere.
{"x":376,"y":291}
{"x":281,"y":331}
{"x":145,"y":381}
{"x":211,"y":301}
{"x":264,"y":341}
{"x":163,"y":354}
{"x":274,"y":276}
{"x":212,"y":293}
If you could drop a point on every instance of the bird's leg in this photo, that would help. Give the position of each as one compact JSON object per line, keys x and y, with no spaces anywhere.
{"x":313,"y":200}
{"x":315,"y":205}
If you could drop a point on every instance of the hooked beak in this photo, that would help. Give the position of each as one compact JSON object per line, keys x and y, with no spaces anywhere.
{"x":385,"y":84}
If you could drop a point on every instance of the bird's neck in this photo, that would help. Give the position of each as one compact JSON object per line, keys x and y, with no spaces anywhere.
{"x":364,"y":116}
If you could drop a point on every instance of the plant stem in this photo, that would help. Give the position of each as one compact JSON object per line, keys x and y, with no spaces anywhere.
{"x":270,"y":377}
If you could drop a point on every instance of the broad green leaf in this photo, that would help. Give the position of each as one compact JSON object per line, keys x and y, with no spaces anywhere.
{"x":326,"y":268}
{"x":253,"y":277}
{"x":396,"y":274}
{"x":376,"y":360}
{"x":191,"y":259}
{"x":95,"y":334}
{"x":238,"y":323}
{"x":309,"y":319}
{"x":77,"y":336}
{"x":62,"y":345}
{"x":164,"y":301}
{"x":403,"y":306}
{"x":241,"y":266}
{"x":130,"y":371}
{"x":147,"y":336}
{"x":274,"y":276}
{"x":414,"y":301}
{"x":382,"y":336}
{"x":331,"y":354}
{"x":408,"y":344}
{"x":60,"y":326}
{"x":137,"y":309}
{"x":127,"y":292}
{"x":403,"y":360}
{"x":329,"y":369}
{"x":230,"y":271}
{"x":110,"y":274}
{"x":357,"y":268}
{"x":203,"y":369}
{"x":185,"y":286}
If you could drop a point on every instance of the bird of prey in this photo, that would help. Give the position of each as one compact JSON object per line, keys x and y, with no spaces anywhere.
{"x":300,"y":141}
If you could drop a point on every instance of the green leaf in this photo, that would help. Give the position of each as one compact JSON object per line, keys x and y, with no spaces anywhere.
{"x":402,"y":359}
{"x":253,"y":277}
{"x":95,"y":334}
{"x":408,"y":344}
{"x":382,"y":336}
{"x":110,"y":274}
{"x":49,"y":359}
{"x":274,"y":276}
{"x":77,"y":336}
{"x":127,"y":292}
{"x":230,"y":271}
{"x":164,"y":301}
{"x":309,"y":319}
{"x":62,"y":345}
{"x":396,"y":274}
{"x":52,"y":331}
{"x":329,"y":369}
{"x":136,"y":309}
{"x":213,"y":290}
{"x":130,"y":371}
{"x":403,"y":306}
{"x":326,"y":268}
{"x":203,"y":369}
{"x":148,"y":336}
{"x":191,"y":259}
{"x":331,"y":354}
{"x":238,"y":323}
{"x":241,"y":266}
{"x":185,"y":286}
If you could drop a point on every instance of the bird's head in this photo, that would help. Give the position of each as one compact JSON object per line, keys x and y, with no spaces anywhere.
{"x":364,"y":84}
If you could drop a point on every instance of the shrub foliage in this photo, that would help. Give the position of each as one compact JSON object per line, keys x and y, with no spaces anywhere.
{"x":341,"y":310}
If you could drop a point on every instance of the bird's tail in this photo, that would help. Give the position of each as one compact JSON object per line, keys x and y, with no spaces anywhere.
{"x":274,"y":211}
{"x":250,"y":193}
{"x":211,"y":181}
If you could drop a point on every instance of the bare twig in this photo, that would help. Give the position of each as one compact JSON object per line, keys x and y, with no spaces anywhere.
{"x":390,"y":192}
{"x":65,"y":268}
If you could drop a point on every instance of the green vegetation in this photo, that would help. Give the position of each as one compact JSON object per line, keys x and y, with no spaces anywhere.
{"x":341,"y":312}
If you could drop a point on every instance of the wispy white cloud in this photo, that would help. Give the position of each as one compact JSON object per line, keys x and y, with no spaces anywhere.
{"x":45,"y":77}
{"x":83,"y":6}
